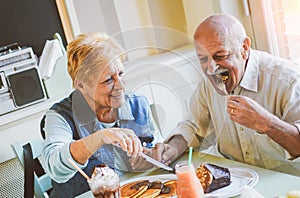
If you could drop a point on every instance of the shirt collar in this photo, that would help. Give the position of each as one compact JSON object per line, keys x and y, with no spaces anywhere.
{"x":250,"y":78}
{"x":125,"y":112}
{"x":84,"y":113}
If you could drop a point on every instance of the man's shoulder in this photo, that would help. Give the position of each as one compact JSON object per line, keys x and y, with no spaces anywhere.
{"x":277,"y":66}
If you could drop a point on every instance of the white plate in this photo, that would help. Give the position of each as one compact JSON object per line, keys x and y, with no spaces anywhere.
{"x":240,"y":177}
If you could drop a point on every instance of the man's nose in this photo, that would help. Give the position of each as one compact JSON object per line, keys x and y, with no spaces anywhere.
{"x":212,"y":67}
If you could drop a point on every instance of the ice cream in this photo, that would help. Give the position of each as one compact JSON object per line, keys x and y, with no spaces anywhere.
{"x":104,"y":182}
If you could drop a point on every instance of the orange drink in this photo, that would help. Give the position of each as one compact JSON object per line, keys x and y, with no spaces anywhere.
{"x":188,"y":184}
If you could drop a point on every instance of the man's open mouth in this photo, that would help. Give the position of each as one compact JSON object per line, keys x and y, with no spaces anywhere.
{"x":225,"y":76}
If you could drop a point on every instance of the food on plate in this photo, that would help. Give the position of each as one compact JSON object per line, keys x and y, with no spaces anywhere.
{"x":134,"y":189}
{"x":213,"y":177}
{"x":104,"y":182}
{"x":154,"y":189}
{"x":147,"y":189}
{"x":169,"y":189}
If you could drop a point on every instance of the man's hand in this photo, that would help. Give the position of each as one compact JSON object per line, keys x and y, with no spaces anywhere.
{"x":170,"y":151}
{"x":165,"y":153}
{"x":248,"y":113}
{"x":139,"y":163}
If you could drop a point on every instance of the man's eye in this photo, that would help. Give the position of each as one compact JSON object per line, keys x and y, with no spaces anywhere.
{"x":203,"y":59}
{"x":220,"y":57}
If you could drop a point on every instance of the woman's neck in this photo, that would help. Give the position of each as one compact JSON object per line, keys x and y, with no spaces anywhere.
{"x":106,"y":115}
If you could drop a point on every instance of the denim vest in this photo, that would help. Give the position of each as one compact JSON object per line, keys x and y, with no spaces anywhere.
{"x":133,"y":114}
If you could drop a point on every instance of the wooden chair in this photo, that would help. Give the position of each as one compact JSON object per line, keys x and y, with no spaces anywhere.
{"x":37,"y":183}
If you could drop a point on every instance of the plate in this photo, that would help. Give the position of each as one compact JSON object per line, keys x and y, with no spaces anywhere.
{"x":240,"y":177}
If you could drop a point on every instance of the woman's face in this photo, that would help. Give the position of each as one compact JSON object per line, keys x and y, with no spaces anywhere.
{"x":108,"y":91}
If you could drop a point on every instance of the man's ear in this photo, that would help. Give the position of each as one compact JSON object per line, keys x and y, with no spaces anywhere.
{"x":246,"y":47}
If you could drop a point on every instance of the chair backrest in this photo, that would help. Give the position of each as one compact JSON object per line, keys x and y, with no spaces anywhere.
{"x":37,"y":182}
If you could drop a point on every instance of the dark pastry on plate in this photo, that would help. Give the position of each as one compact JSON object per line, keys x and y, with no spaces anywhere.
{"x":213,"y":177}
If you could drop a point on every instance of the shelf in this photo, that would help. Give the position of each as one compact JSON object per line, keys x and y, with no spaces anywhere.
{"x":27,"y":111}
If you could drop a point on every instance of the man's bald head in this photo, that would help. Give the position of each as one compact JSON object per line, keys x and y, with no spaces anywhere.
{"x":222,"y":26}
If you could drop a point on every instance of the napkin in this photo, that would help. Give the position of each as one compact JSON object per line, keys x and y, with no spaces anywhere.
{"x":249,"y":192}
{"x":51,"y":53}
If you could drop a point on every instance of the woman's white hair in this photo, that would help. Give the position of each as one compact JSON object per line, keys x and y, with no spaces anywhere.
{"x":89,"y":53}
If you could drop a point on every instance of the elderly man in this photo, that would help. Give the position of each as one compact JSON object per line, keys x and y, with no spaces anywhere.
{"x":249,"y":101}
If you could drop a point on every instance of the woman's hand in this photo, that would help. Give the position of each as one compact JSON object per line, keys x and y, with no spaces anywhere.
{"x":164,"y":153}
{"x":125,"y":138}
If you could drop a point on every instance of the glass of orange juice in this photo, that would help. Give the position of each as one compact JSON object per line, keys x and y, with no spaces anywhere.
{"x":188,"y":184}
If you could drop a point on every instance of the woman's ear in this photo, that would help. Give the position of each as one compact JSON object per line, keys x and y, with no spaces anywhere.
{"x":79,"y":85}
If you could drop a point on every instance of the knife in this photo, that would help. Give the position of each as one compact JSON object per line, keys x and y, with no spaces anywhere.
{"x":156,"y":163}
{"x":153,"y":161}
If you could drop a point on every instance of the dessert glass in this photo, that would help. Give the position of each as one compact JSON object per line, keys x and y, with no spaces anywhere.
{"x":105,"y":183}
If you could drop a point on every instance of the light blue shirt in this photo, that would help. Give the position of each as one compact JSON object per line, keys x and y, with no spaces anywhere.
{"x":134,"y":114}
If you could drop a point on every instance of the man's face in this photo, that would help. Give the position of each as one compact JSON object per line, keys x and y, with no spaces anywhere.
{"x":221,"y":62}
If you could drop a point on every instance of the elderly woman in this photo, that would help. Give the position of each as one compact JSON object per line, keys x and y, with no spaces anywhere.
{"x":98,"y":123}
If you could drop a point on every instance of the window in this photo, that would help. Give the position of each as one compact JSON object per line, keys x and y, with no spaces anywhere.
{"x":281,"y":29}
{"x":286,"y":15}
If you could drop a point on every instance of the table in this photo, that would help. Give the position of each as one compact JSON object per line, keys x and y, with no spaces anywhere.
{"x":271,"y":184}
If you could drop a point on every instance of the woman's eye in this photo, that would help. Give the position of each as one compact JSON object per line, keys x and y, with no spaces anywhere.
{"x":108,"y":80}
{"x":121,"y":74}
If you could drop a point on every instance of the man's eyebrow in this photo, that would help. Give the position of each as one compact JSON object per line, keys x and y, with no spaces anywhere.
{"x":217,"y":52}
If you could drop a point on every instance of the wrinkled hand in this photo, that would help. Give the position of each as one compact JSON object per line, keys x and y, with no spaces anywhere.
{"x":125,"y":138}
{"x":165,"y":153}
{"x":139,"y":163}
{"x":247,"y":112}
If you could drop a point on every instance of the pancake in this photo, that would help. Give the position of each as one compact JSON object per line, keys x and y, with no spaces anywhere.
{"x":169,"y":189}
{"x":134,"y":189}
{"x":150,"y":193}
{"x":154,"y":189}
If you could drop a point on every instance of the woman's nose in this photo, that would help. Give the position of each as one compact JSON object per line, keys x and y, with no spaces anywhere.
{"x":120,"y":84}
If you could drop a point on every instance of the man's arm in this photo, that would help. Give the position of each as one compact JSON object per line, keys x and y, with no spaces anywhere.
{"x":249,"y":113}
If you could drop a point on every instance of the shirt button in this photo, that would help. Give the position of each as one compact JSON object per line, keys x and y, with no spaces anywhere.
{"x":241,"y":128}
{"x":247,"y":153}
